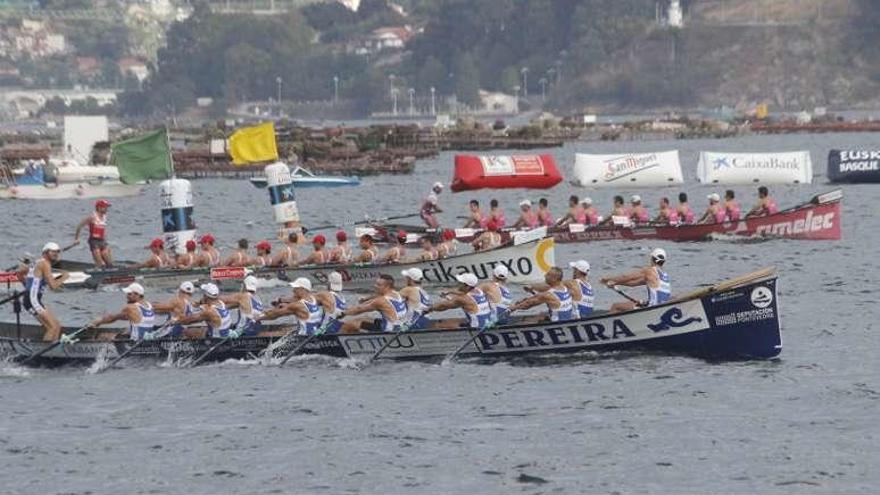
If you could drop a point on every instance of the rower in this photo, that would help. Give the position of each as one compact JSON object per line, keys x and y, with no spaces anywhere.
{"x":591,"y":214}
{"x":557,"y":297}
{"x":545,"y":217}
{"x":188,"y":259}
{"x":264,"y":256}
{"x":766,"y":205}
{"x":342,"y":252}
{"x":731,"y":206}
{"x":475,"y":215}
{"x":39,"y":276}
{"x":318,"y":256}
{"x":333,"y":303}
{"x":471,"y":300}
{"x":449,"y":245}
{"x":417,"y":300}
{"x":97,"y":223}
{"x":249,"y":305}
{"x":390,"y":305}
{"x":429,"y":252}
{"x":288,"y":255}
{"x":305,"y":308}
{"x":158,"y":257}
{"x":638,"y":213}
{"x":397,"y":252}
{"x":496,"y":214}
{"x":179,"y":305}
{"x":715,"y":212}
{"x":575,"y":213}
{"x":369,"y":253}
{"x":527,"y":218}
{"x":488,"y":239}
{"x":619,"y":210}
{"x":137,"y":312}
{"x":498,"y":294}
{"x":652,"y":277}
{"x":430,"y":206}
{"x":666,"y":215}
{"x":209,"y":255}
{"x":685,"y":213}
{"x":213,"y":312}
{"x":581,"y":290}
{"x":239,"y":256}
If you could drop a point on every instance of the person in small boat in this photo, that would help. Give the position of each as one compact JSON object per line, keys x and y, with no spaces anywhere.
{"x":390,"y":305}
{"x":591,"y":214}
{"x":527,"y":218}
{"x":475,"y":218}
{"x":305,"y":308}
{"x":428,"y":252}
{"x":653,"y":277}
{"x":545,"y":216}
{"x":715,"y":213}
{"x":685,"y":213}
{"x":469,"y":298}
{"x":319,"y":254}
{"x":264,"y":254}
{"x":179,"y":305}
{"x":249,"y":305}
{"x":575,"y":213}
{"x":417,"y":300}
{"x":341,"y":253}
{"x":397,"y":252}
{"x":189,"y":259}
{"x":499,"y":295}
{"x":333,"y":302}
{"x":209,"y":256}
{"x":557,"y":297}
{"x":430,"y":206}
{"x":667,"y":215}
{"x":369,"y":253}
{"x":158,"y":257}
{"x":288,"y":255}
{"x":618,"y":210}
{"x":97,"y":225}
{"x":137,"y":312}
{"x":39,"y":277}
{"x":488,"y":239}
{"x":239,"y":256}
{"x":731,"y":206}
{"x":766,"y":205}
{"x":581,"y":290}
{"x":449,"y":245}
{"x":638,"y":213}
{"x":213,"y":312}
{"x":496,"y":214}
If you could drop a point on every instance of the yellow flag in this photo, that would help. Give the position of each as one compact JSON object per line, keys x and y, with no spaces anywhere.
{"x":253,"y":144}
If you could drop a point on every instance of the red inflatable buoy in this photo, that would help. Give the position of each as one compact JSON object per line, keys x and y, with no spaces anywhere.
{"x":505,"y":172}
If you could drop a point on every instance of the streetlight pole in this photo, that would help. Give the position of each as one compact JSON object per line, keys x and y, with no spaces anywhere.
{"x":335,"y":90}
{"x":516,"y":99}
{"x":525,"y":77}
{"x":412,"y":95}
{"x":433,"y":106}
{"x":394,"y":92}
{"x":543,"y":83}
{"x":279,"y":82}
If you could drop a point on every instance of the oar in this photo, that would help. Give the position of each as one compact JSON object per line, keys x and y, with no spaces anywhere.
{"x":130,"y":349}
{"x":397,"y":335}
{"x":55,"y":344}
{"x":15,"y":295}
{"x":209,"y":351}
{"x":451,"y":356}
{"x":364,"y":222}
{"x":320,"y":331}
{"x":617,"y":289}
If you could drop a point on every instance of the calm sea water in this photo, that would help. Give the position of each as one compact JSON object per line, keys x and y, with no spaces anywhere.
{"x":625,"y":423}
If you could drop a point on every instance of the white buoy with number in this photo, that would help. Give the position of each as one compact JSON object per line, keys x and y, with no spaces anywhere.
{"x":282,"y":197}
{"x":177,"y":209}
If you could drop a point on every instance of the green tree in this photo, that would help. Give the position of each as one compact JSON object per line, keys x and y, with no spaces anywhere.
{"x":467,"y":80}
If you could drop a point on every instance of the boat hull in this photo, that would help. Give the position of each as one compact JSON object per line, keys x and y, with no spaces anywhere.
{"x":70,"y":190}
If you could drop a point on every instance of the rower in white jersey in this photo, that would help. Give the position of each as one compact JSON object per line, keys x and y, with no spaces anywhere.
{"x":557,"y":297}
{"x":653,"y":277}
{"x":581,"y":290}
{"x":417,"y":300}
{"x":390,"y":305}
{"x":179,"y":305}
{"x":212,"y":311}
{"x":250,"y":307}
{"x":39,"y":276}
{"x":499,"y":294}
{"x":137,"y":312}
{"x":471,"y":300}
{"x":305,"y":308}
{"x":334,"y":304}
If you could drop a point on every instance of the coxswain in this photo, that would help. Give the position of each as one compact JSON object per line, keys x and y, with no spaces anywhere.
{"x":488,"y":239}
{"x":428,"y":252}
{"x":249,"y":305}
{"x":137,"y":312}
{"x":305,"y":308}
{"x":475,"y":218}
{"x":97,"y":224}
{"x":652,"y":277}
{"x":471,"y":300}
{"x":288,"y":255}
{"x":179,"y":305}
{"x":557,"y":297}
{"x":188,"y":259}
{"x":618,"y":210}
{"x":545,"y":217}
{"x":239,"y":256}
{"x":499,"y":295}
{"x":638,"y":213}
{"x":264,"y":254}
{"x":766,"y":205}
{"x":390,"y":305}
{"x":667,"y":215}
{"x":581,"y":290}
{"x":341,"y":253}
{"x":430,"y":206}
{"x":209,"y":256}
{"x":449,"y":245}
{"x":685,"y":213}
{"x":731,"y":206}
{"x":369,"y":253}
{"x":213,"y":311}
{"x":39,"y":276}
{"x":158,"y":257}
{"x":417,"y":300}
{"x":496,"y":214}
{"x":715,"y":212}
{"x":575,"y":213}
{"x":527,"y":218}
{"x":333,"y":302}
{"x":397,"y":252}
{"x":591,"y":214}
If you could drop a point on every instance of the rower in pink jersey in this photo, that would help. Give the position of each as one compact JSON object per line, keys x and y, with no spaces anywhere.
{"x":545,"y":217}
{"x":575,"y":213}
{"x":496,"y":214}
{"x":685,"y":213}
{"x":638,"y":213}
{"x":527,"y":218}
{"x":715,"y":212}
{"x":766,"y":205}
{"x":667,"y":214}
{"x":619,"y":210}
{"x":731,"y":206}
{"x":591,"y":214}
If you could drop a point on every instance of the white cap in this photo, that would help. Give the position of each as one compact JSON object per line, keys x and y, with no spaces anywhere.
{"x":582,"y":266}
{"x":302,"y":283}
{"x":135,"y":288}
{"x":587,"y":201}
{"x":500,"y":271}
{"x":438,"y":185}
{"x":413,"y":273}
{"x":51,"y":246}
{"x":635,"y":198}
{"x":250,"y":283}
{"x":334,"y":280}
{"x":187,"y":287}
{"x":525,"y":202}
{"x":658,"y":254}
{"x":468,"y":279}
{"x":714,"y":197}
{"x":210,"y":290}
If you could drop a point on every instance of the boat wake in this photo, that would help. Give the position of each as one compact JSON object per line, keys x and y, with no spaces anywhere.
{"x":102,"y":360}
{"x":11,"y":369}
{"x":739,"y":239}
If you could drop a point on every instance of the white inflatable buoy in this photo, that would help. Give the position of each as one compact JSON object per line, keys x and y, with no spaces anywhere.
{"x":177,"y":209}
{"x":283,"y":198}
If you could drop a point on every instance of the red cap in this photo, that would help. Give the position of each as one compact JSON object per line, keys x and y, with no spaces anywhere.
{"x":319,"y":239}
{"x":206,"y":239}
{"x":157,"y":243}
{"x":264,"y":245}
{"x":448,"y":234}
{"x":401,"y":235}
{"x":190,"y":245}
{"x":341,"y":236}
{"x":102,"y":203}
{"x":492,"y":225}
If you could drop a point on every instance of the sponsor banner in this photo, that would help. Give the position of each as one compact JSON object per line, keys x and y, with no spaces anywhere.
{"x":854,"y":166}
{"x":512,"y":165}
{"x":8,"y":277}
{"x":634,"y":170}
{"x":755,"y":168}
{"x":504,"y":172}
{"x":228,"y":273}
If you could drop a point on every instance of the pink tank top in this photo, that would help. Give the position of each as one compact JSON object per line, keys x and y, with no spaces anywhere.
{"x":546,"y":218}
{"x":580,"y":215}
{"x":771,"y":207}
{"x":720,"y":215}
{"x":687,"y":213}
{"x":592,"y":217}
{"x":733,"y":211}
{"x":531,"y":220}
{"x":499,"y":218}
{"x":672,"y":216}
{"x":640,"y":216}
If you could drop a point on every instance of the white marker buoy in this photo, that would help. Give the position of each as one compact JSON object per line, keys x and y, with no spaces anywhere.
{"x":177,"y":209}
{"x":283,"y":198}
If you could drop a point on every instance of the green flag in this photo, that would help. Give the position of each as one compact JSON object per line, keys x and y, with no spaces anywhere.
{"x":142,"y":158}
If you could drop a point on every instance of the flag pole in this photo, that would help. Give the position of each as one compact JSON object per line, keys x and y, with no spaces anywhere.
{"x":170,"y":154}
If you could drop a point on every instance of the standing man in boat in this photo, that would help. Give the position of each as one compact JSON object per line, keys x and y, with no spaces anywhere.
{"x":430,"y":206}
{"x":653,"y":277}
{"x":397,"y":252}
{"x":189,"y":259}
{"x":342,"y":252}
{"x":239,"y":256}
{"x":158,"y":257}
{"x":476,"y":219}
{"x":638,"y":213}
{"x":97,"y":224}
{"x":417,"y":300}
{"x":685,"y":213}
{"x":288,"y":255}
{"x":249,"y":305}
{"x":213,"y":312}
{"x":137,"y":312}
{"x":527,"y":218}
{"x":305,"y":308}
{"x":666,"y":215}
{"x":39,"y":276}
{"x":731,"y":206}
{"x":766,"y":205}
{"x":715,"y":213}
{"x":209,"y":255}
{"x":575,"y":213}
{"x":178,"y":306}
{"x":545,"y":217}
{"x":557,"y":297}
{"x":449,"y":245}
{"x":498,"y":294}
{"x":390,"y":305}
{"x":471,"y":300}
{"x":488,"y":239}
{"x":369,"y":253}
